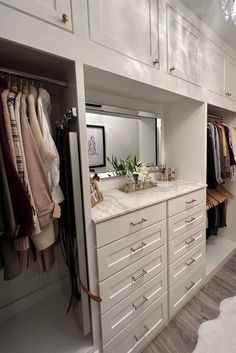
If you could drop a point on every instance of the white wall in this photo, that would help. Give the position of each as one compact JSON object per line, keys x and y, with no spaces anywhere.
{"x":121,"y":136}
{"x":185,"y":139}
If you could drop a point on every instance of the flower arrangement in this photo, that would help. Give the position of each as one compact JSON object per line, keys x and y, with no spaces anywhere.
{"x":128,"y":166}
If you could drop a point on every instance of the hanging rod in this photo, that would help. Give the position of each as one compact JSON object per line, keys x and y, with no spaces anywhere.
{"x":215,"y":117}
{"x":25,"y":75}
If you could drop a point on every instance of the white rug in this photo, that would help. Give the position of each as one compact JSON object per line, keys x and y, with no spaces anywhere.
{"x":219,"y":335}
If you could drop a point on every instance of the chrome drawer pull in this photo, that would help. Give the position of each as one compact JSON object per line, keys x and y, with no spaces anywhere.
{"x":190,"y":241}
{"x":191,"y":286}
{"x":139,"y":247}
{"x":190,"y":220}
{"x":139,"y":222}
{"x":190,"y":262}
{"x":138,"y":337}
{"x":139,"y":276}
{"x":189,"y":202}
{"x":140,"y":304}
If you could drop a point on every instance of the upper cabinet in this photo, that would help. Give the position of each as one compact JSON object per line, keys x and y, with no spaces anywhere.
{"x":184,"y":43}
{"x":231,"y":79}
{"x":216,"y":68}
{"x":129,"y":27}
{"x":56,"y":12}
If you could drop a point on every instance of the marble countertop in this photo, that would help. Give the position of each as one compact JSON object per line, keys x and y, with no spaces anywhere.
{"x":117,"y":203}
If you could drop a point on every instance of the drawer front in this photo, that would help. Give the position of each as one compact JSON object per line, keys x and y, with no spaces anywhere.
{"x":119,"y":286}
{"x":186,"y":263}
{"x":186,"y":242}
{"x":185,"y":202}
{"x":116,"y":319}
{"x":122,"y":253}
{"x":119,"y":227}
{"x":184,"y":221}
{"x":183,"y":290}
{"x":134,"y":337}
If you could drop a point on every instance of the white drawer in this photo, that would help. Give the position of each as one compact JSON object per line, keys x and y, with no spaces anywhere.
{"x":186,"y":263}
{"x":186,"y":202}
{"x":182,"y":291}
{"x":119,"y":227}
{"x":119,"y":286}
{"x":186,"y":242}
{"x":184,"y":221}
{"x":114,"y":320}
{"x":134,"y":337}
{"x":120,"y":254}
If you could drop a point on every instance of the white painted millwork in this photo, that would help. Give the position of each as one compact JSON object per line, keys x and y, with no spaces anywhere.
{"x":186,"y":263}
{"x":119,"y":286}
{"x":127,"y":27}
{"x":117,"y":318}
{"x":186,"y":242}
{"x":230,"y":79}
{"x":122,"y":253}
{"x":136,"y":336}
{"x":184,"y":289}
{"x":119,"y":227}
{"x":186,"y":220}
{"x":56,"y":12}
{"x":186,"y":202}
{"x":184,"y":48}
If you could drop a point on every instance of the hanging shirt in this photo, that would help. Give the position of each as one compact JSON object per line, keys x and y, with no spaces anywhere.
{"x":53,"y":174}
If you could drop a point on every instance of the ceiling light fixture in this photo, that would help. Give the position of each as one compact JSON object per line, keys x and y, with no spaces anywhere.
{"x":229,"y":8}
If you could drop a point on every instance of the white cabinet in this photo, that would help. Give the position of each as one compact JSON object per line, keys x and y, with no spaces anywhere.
{"x":129,"y":27}
{"x":216,"y":68}
{"x":184,"y":43}
{"x":230,"y":79}
{"x":56,"y":12}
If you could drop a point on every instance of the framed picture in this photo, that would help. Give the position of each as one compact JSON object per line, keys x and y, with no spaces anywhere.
{"x":96,"y":146}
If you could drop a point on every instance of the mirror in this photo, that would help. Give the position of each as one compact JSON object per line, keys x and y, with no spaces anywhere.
{"x":121,"y":133}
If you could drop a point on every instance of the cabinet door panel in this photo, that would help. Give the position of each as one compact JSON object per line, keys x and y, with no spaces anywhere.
{"x":183,"y":48}
{"x":49,"y":11}
{"x":127,"y":26}
{"x":230,"y":79}
{"x":216,"y":65}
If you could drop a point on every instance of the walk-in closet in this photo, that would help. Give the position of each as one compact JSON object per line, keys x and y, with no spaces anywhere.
{"x":39,"y":310}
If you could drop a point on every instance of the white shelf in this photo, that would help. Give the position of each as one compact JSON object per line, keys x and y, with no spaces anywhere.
{"x":44,"y":328}
{"x":218,"y":251}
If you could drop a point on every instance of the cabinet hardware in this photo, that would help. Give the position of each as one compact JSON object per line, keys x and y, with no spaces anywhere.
{"x":138,"y":337}
{"x":190,"y":262}
{"x":189,"y":202}
{"x":140,"y":304}
{"x":156,"y":61}
{"x":190,"y":241}
{"x":65,"y":18}
{"x":172,"y":68}
{"x":139,"y":276}
{"x":139,"y":222}
{"x":191,"y":286}
{"x":139,"y":247}
{"x":230,"y":94}
{"x":190,"y":220}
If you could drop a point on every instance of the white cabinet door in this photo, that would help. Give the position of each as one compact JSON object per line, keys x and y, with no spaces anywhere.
{"x":216,"y":69}
{"x":231,"y":79}
{"x":183,"y":48}
{"x":129,"y":27}
{"x":57,"y":12}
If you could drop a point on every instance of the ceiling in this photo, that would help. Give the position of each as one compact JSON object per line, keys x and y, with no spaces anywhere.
{"x":209,"y":11}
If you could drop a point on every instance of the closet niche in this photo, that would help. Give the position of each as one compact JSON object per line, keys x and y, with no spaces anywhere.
{"x":33,"y":306}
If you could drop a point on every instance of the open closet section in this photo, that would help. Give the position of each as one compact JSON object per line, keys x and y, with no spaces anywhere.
{"x":221,"y":163}
{"x":42,"y":305}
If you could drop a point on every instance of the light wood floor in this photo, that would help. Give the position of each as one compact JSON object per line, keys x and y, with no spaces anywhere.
{"x":180,"y":336}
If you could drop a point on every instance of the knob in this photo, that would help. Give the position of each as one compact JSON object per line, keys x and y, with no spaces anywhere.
{"x":230,"y":94}
{"x":156,"y":61}
{"x":227,"y":94}
{"x":65,"y":18}
{"x":172,"y":68}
